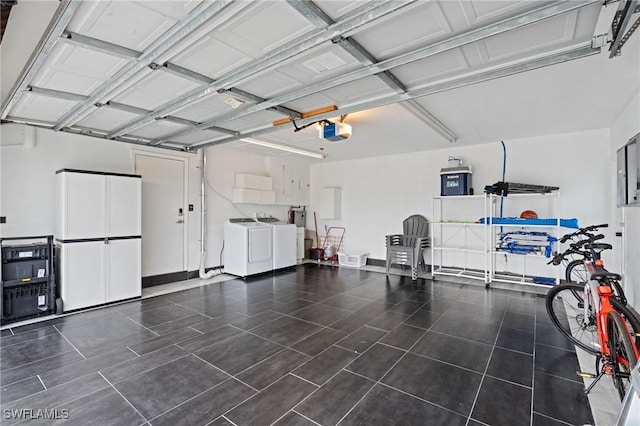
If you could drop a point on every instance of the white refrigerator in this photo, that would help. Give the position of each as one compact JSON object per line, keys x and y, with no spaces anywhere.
{"x":98,"y":237}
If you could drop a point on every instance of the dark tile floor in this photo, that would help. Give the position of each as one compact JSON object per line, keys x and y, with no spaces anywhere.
{"x":317,"y":345}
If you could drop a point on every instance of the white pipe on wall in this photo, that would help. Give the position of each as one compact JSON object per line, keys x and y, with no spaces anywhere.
{"x":203,"y":219}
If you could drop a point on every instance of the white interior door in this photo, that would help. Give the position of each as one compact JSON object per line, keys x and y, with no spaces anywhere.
{"x":163,"y":227}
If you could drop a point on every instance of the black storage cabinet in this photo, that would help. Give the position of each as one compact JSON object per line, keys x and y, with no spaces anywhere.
{"x":27,"y":278}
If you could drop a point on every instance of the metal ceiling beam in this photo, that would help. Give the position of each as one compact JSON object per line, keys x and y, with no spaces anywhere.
{"x":58,"y":23}
{"x":85,"y":131}
{"x":437,"y":87}
{"x":536,"y":15}
{"x":85,"y":42}
{"x":371,"y":12}
{"x":111,"y":49}
{"x":315,"y":14}
{"x":57,"y":94}
{"x":177,"y":33}
{"x":627,"y":9}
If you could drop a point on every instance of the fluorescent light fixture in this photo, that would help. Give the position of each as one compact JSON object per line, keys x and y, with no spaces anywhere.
{"x":287,"y":148}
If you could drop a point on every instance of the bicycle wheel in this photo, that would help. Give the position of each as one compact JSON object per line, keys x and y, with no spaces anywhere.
{"x":623,"y":358}
{"x":576,"y":272}
{"x":631,"y":320}
{"x":565,"y":306}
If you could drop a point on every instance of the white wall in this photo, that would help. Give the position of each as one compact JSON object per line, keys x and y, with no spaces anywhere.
{"x":378,"y":193}
{"x":27,"y":175}
{"x":625,"y":127}
{"x":223,"y":164}
{"x":27,"y":182}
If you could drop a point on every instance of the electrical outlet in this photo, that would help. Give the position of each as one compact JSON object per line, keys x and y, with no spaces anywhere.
{"x":3,"y":219}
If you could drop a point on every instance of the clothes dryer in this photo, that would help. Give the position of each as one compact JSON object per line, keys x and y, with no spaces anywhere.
{"x":248,"y":247}
{"x":284,"y":242}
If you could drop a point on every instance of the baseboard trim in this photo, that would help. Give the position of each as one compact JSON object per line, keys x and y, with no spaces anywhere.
{"x":154,"y":280}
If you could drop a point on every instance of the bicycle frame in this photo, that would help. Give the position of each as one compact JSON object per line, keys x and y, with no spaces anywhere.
{"x":602,"y":307}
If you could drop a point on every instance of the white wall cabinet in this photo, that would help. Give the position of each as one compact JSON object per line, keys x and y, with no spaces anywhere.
{"x":253,"y":189}
{"x":98,"y":234}
{"x":330,"y":203}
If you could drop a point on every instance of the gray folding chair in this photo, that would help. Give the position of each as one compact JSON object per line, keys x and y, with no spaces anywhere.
{"x":407,"y":248}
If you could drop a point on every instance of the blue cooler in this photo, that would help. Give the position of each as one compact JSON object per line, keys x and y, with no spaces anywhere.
{"x":455,"y":181}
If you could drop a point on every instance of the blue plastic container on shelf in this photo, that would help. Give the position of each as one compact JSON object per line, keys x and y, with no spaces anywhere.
{"x":565,"y":223}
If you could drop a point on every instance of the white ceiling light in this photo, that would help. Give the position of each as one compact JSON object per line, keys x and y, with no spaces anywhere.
{"x":286,"y":148}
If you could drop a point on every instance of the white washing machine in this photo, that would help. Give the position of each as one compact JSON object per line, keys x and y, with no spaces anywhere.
{"x":284,"y":242}
{"x":248,"y":247}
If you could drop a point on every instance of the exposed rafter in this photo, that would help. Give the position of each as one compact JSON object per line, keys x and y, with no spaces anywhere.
{"x":436,"y":87}
{"x":57,"y":94}
{"x":539,"y":14}
{"x":312,"y":12}
{"x":177,"y":33}
{"x":364,"y":15}
{"x":58,"y":23}
{"x":111,"y":49}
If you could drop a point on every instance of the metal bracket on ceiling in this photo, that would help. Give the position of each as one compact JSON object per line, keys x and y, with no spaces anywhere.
{"x":579,"y":51}
{"x":155,"y":67}
{"x":621,"y":20}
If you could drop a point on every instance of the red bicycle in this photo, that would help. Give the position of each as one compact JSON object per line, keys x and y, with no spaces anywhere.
{"x":594,"y":317}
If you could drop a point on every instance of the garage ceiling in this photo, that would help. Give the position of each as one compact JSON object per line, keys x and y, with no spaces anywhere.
{"x":407,"y":75}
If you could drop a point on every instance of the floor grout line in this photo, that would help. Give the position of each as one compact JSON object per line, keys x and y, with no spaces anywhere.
{"x":146,"y":328}
{"x":123,"y":397}
{"x":229,"y":420}
{"x":381,"y":377}
{"x":533,"y":363}
{"x":302,"y":415}
{"x":475,"y":400}
{"x":439,"y":291}
{"x":43,"y":385}
{"x":552,"y":418}
{"x":302,"y":378}
{"x":195,"y":329}
{"x":137,"y":354}
{"x":187,"y":400}
{"x":68,"y":341}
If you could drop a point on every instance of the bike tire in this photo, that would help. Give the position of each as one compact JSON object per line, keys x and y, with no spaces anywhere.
{"x":623,"y":357}
{"x":576,"y":272}
{"x":564,"y":307}
{"x":632,"y":319}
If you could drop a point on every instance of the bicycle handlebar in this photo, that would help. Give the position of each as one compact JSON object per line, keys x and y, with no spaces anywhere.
{"x":586,"y":241}
{"x":583,"y":231}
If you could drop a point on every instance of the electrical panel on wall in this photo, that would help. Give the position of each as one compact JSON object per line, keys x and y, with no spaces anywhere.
{"x":628,"y":179}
